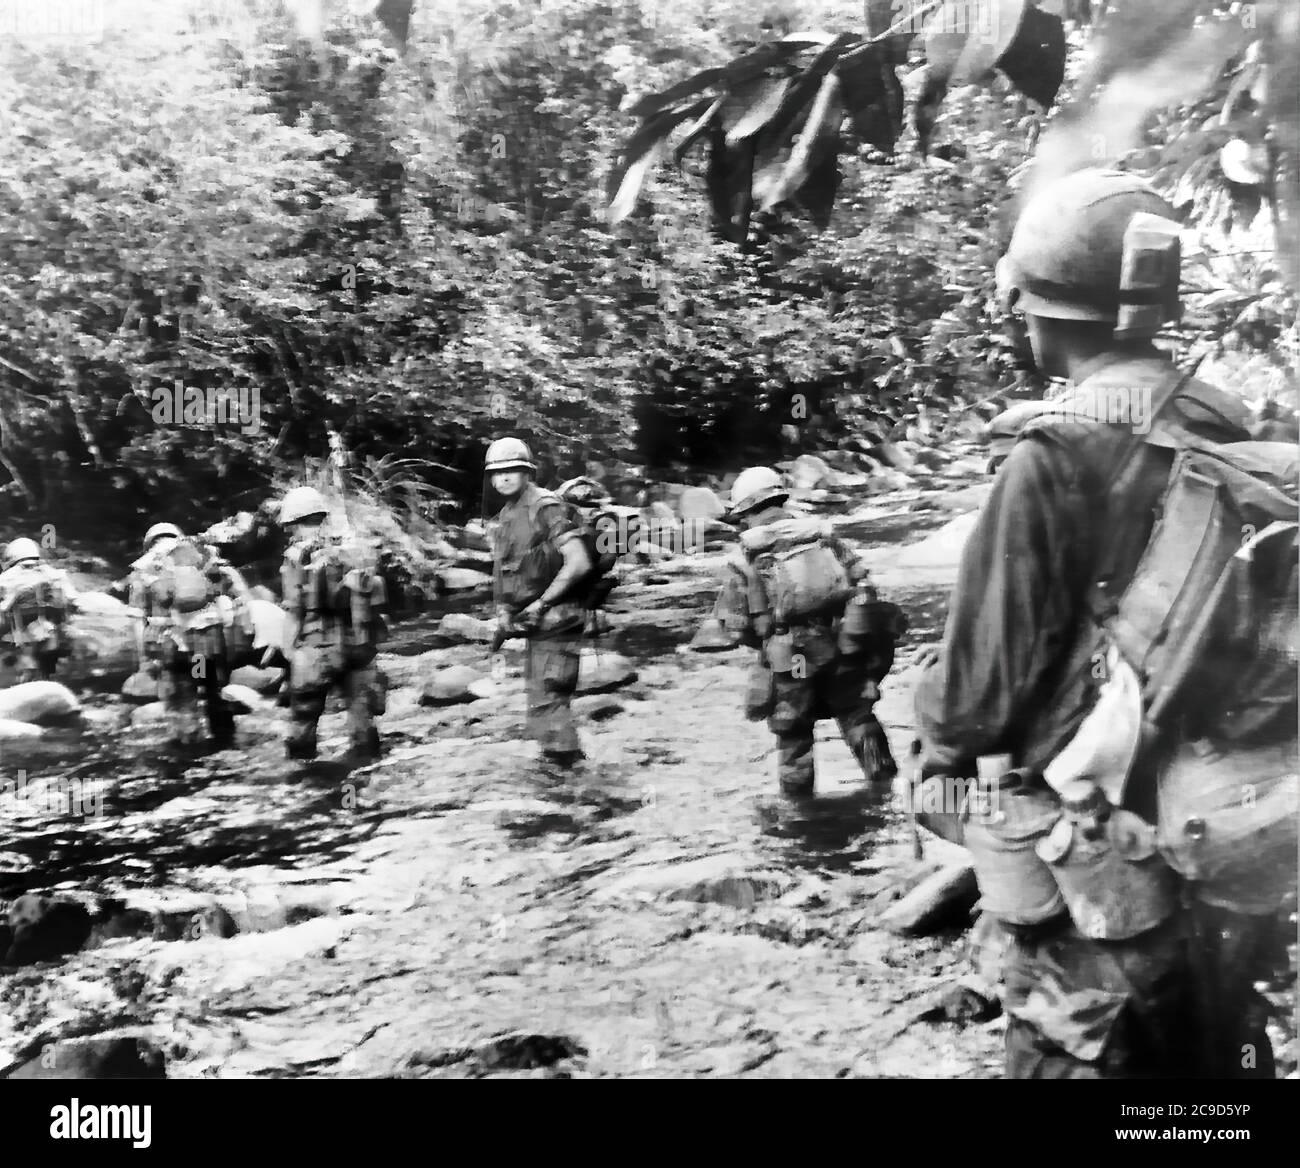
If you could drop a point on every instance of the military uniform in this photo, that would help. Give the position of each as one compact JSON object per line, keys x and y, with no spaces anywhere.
{"x":530,"y":530}
{"x":818,"y":682}
{"x":1076,"y":500}
{"x":41,"y":640}
{"x":190,"y":650}
{"x":330,"y":652}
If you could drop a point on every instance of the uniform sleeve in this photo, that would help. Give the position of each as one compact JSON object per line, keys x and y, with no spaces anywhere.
{"x":1013,"y":604}
{"x":557,"y":524}
{"x":290,"y":576}
{"x":854,"y":563}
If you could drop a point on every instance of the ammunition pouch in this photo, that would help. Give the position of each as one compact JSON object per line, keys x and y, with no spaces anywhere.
{"x":1227,"y":823}
{"x":760,"y":694}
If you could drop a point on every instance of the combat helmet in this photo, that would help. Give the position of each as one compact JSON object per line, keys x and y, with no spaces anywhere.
{"x":160,"y":531}
{"x":302,"y":503}
{"x":1096,"y":245}
{"x":583,"y":491}
{"x":19,"y":550}
{"x":755,"y":487}
{"x":508,"y":454}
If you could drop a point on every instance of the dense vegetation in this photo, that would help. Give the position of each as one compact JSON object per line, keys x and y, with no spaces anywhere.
{"x":398,"y":247}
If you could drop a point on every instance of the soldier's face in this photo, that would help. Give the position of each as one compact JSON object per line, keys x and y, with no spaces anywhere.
{"x":305,"y":528}
{"x":1047,"y":354}
{"x":508,"y":482}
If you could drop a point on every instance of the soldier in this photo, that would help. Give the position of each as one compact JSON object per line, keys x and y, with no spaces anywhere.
{"x":333,"y":599}
{"x":541,"y":568}
{"x":801,"y":596}
{"x":178,"y":585}
{"x":1093,"y":266}
{"x":35,"y":601}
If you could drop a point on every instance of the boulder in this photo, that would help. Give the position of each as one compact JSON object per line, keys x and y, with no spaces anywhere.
{"x":46,"y":703}
{"x":150,"y":714}
{"x":945,"y":896}
{"x":14,"y":731}
{"x":721,"y":879}
{"x":256,"y":678}
{"x":140,"y":687}
{"x":699,"y":503}
{"x":460,"y":626}
{"x":102,"y":604}
{"x":895,"y":455}
{"x":600,"y":670}
{"x":808,"y":472}
{"x":95,"y":1057}
{"x":451,"y":685}
{"x":597,"y":707}
{"x":463,"y":579}
{"x":44,"y":928}
{"x":243,"y":699}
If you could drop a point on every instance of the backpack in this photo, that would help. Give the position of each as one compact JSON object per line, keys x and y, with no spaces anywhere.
{"x":605,"y":539}
{"x":1207,"y":625}
{"x":184,"y":583}
{"x":798,"y":569}
{"x":35,"y":594}
{"x":340,"y":583}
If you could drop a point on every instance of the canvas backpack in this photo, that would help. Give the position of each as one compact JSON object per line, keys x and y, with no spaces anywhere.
{"x":798,"y":569}
{"x":341,"y":584}
{"x":35,"y":593}
{"x":1207,"y":626}
{"x":184,"y":582}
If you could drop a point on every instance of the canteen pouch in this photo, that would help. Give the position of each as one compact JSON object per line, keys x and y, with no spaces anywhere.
{"x":779,"y":652}
{"x":1000,"y":830}
{"x":760,"y":694}
{"x":1227,"y":823}
{"x":1115,"y":886}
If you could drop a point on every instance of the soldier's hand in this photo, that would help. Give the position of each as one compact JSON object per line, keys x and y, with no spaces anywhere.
{"x":870,"y":691}
{"x":928,"y":655}
{"x":762,"y":626}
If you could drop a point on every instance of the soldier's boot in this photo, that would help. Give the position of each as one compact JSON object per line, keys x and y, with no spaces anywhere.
{"x":366,"y":747}
{"x":300,"y":742}
{"x":796,"y":772}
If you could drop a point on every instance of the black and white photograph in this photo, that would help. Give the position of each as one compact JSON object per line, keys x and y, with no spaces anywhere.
{"x":649,"y":539}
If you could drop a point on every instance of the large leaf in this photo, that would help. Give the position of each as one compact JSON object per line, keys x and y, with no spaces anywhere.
{"x":730,"y":180}
{"x":653,"y":103}
{"x":823,"y":122}
{"x":965,"y":38}
{"x":804,"y":89}
{"x":756,"y":117}
{"x":697,"y":130}
{"x":817,"y":195}
{"x":395,"y":15}
{"x":1035,"y":61}
{"x":642,"y":153}
{"x":873,"y":97}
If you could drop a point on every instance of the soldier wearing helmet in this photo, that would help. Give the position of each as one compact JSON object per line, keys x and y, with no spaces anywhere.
{"x":541,"y":565}
{"x":1093,"y":266}
{"x":786,"y":592}
{"x":36,"y":600}
{"x":190,"y":600}
{"x":333,"y":598}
